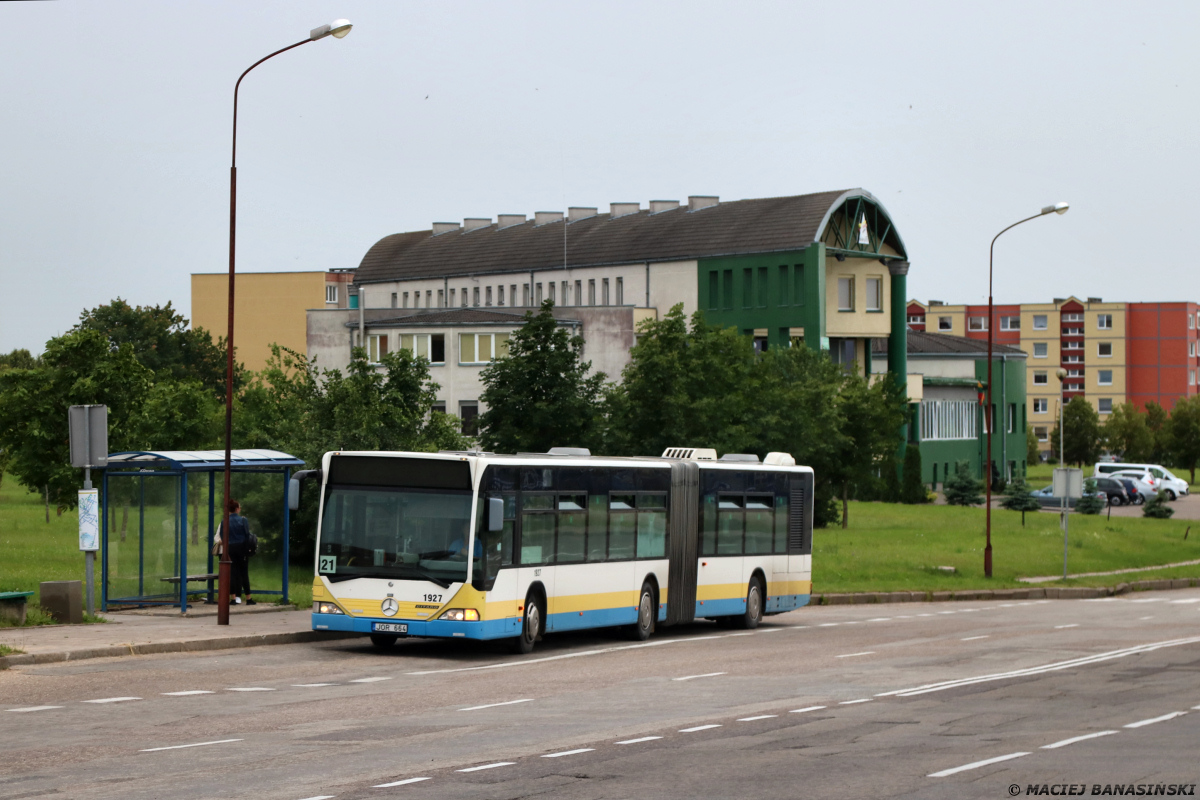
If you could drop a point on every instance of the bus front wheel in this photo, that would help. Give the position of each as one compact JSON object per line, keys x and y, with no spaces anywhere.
{"x":754,"y":606}
{"x":531,"y":626}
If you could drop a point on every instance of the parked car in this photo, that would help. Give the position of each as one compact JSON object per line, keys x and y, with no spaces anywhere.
{"x":1165,"y":482}
{"x":1114,"y":490}
{"x":1135,"y":497}
{"x":1046,"y":498}
{"x":1147,"y":485}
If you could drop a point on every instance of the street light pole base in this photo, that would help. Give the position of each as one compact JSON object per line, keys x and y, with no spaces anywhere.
{"x":987,"y":561}
{"x":224,"y":577}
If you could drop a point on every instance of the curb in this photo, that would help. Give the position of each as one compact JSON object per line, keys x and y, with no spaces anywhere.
{"x":154,"y":648}
{"x":1064,"y":593}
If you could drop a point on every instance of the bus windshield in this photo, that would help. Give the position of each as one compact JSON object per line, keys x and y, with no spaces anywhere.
{"x":395,"y":533}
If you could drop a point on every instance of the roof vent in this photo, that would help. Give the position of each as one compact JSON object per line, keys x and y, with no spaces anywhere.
{"x":444,"y":227}
{"x":568,"y":451}
{"x":747,"y":458}
{"x":576,"y":213}
{"x":780,"y":460}
{"x":508,"y":220}
{"x":699,"y":201}
{"x":933,"y":303}
{"x":624,"y":209}
{"x":691,"y":453}
{"x":472,"y":223}
{"x":546,"y":217}
{"x":1095,"y":299}
{"x":659,"y":206}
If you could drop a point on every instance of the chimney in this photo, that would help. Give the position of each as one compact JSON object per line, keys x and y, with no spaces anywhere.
{"x":444,"y":227}
{"x":471,"y":223}
{"x":699,"y":201}
{"x":546,"y":217}
{"x":933,"y":303}
{"x":624,"y":209}
{"x":1095,"y":300}
{"x":508,"y":220}
{"x":576,"y":213}
{"x":659,"y":206}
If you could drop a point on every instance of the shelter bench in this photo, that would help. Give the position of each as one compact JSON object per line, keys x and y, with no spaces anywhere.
{"x":12,"y":606}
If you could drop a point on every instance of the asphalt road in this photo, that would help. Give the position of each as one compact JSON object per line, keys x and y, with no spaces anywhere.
{"x":829,"y":702}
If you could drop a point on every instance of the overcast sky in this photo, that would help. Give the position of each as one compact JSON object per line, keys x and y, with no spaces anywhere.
{"x":960,"y":117}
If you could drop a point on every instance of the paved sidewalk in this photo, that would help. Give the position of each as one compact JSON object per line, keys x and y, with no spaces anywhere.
{"x":130,"y":633}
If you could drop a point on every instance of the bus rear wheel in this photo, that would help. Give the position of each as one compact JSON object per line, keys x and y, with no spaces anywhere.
{"x":644,"y":627}
{"x":383,"y":641}
{"x":754,"y":607}
{"x":531,"y":627}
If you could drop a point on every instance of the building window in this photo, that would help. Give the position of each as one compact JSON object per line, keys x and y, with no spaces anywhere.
{"x":487,"y":296}
{"x":331,"y":294}
{"x":763,"y":288}
{"x":1040,"y":378}
{"x":376,"y":347}
{"x":948,"y":419}
{"x":1041,"y":405}
{"x":1072,"y":346}
{"x":405,"y":300}
{"x":394,"y":296}
{"x":591,"y":291}
{"x":500,"y":295}
{"x":916,"y":319}
{"x":1104,"y":377}
{"x":1192,"y":349}
{"x":1074,"y":373}
{"x":620,"y":291}
{"x":439,"y":407}
{"x":430,"y":346}
{"x":727,"y":289}
{"x":1072,"y":359}
{"x":1010,"y":323}
{"x":845,"y":294}
{"x":538,"y":289}
{"x":1040,"y":322}
{"x":578,"y":293}
{"x":714,"y":283}
{"x":1012,"y":417}
{"x":604,"y":291}
{"x":798,"y":286}
{"x":464,"y":297}
{"x":468,"y":412}
{"x":429,"y":298}
{"x":1104,"y":349}
{"x":1191,"y":377}
{"x":475,"y":296}
{"x":1040,"y":349}
{"x":874,"y":294}
{"x":565,"y":286}
{"x":1105,"y":404}
{"x":1191,"y":322}
{"x":945,"y":323}
{"x":1042,"y":434}
{"x":1073,"y":317}
{"x":480,"y":348}
{"x":453,"y":295}
{"x":784,"y":294}
{"x":512,"y":294}
{"x":525,"y":295}
{"x":977,"y":323}
{"x":551,"y":288}
{"x":1104,"y":322}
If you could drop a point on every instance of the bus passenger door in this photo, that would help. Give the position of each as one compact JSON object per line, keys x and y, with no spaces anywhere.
{"x":536,"y":552}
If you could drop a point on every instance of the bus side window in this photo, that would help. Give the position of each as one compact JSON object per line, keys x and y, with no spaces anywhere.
{"x":708,"y":522}
{"x":652,"y":526}
{"x":597,"y":527}
{"x":537,"y":529}
{"x":622,"y":524}
{"x":781,"y":523}
{"x":730,"y":524}
{"x":572,"y":527}
{"x":759,"y":524}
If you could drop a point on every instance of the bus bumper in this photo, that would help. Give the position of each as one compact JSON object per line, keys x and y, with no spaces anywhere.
{"x":435,"y":628}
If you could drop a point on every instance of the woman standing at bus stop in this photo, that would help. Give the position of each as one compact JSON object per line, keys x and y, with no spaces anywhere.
{"x":239,"y":545}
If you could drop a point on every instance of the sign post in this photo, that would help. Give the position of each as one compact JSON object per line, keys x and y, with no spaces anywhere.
{"x":89,"y":448}
{"x":1068,"y":483}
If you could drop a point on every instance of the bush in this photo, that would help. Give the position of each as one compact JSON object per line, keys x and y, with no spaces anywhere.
{"x":962,"y":489}
{"x":1090,"y":503}
{"x":1157,"y":508}
{"x":912,"y":490}
{"x":1017,"y":497}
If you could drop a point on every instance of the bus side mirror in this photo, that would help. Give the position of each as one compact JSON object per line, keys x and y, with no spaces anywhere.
{"x":293,"y":494}
{"x":495,"y":514}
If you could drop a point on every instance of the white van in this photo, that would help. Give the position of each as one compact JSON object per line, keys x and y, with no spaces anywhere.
{"x":1167,"y":484}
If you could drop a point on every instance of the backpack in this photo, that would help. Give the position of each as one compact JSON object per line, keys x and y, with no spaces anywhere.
{"x":251,"y":544}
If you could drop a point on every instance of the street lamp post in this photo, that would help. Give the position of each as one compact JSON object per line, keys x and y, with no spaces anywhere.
{"x":337,"y":29}
{"x":1057,"y":208}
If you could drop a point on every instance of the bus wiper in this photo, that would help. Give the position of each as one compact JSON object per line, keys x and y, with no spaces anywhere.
{"x":442,"y":582}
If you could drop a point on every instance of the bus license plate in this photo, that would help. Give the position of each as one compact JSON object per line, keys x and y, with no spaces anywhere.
{"x":389,"y":627}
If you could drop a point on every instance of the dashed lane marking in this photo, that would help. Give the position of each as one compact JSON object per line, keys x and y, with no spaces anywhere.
{"x":828,"y":625}
{"x":369,"y":680}
{"x":495,"y":705}
{"x":321,"y":797}
{"x":188,"y":693}
{"x":736,"y":634}
{"x":112,"y":700}
{"x":1189,"y":600}
{"x":1075,"y":739}
{"x":487,"y":766}
{"x":698,"y":728}
{"x":569,"y":752}
{"x":705,"y":675}
{"x":32,"y":708}
{"x":975,"y":765}
{"x":404,"y":782}
{"x":760,"y":716}
{"x":185,"y":746}
{"x":852,"y":702}
{"x":1072,"y":625}
{"x":250,"y":689}
{"x":312,"y":685}
{"x":973,"y":638}
{"x":854,"y":655}
{"x":771,"y":630}
{"x":806,"y":710}
{"x":1144,"y":722}
{"x":639,"y":741}
{"x":880,"y":619}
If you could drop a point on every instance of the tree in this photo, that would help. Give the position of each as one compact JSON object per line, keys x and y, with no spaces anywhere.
{"x":1017,"y":497}
{"x":18,"y":359}
{"x":1157,"y":508}
{"x":1183,"y":434}
{"x":1082,"y":426}
{"x":913,"y":489}
{"x":1126,"y":433}
{"x":540,"y":395}
{"x":1033,"y":453}
{"x":1090,"y":503}
{"x":1156,"y":421}
{"x":962,"y":489}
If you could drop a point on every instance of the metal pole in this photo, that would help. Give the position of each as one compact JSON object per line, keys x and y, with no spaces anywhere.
{"x":89,"y":556}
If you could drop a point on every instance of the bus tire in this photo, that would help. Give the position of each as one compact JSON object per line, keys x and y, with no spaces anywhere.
{"x":643,"y":629}
{"x":383,"y":641}
{"x":531,"y":626}
{"x":754,"y":606}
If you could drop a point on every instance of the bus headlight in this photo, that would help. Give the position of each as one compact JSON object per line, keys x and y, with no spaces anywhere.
{"x":461,"y":615}
{"x":328,"y":608}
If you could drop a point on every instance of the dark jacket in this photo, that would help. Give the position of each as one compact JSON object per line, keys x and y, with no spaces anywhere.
{"x":239,"y":529}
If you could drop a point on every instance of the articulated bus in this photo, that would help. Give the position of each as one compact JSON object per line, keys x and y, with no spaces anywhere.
{"x":483,"y":546}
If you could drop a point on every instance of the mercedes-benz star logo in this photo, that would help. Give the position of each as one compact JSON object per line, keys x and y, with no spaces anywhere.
{"x":390,"y":607}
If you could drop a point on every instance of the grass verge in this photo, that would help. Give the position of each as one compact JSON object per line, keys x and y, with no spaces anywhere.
{"x":5,"y":650}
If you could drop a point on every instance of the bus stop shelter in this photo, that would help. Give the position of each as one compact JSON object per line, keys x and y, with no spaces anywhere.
{"x":149,"y":555}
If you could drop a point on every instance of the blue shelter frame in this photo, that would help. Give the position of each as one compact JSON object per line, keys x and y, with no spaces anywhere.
{"x":155,"y":465}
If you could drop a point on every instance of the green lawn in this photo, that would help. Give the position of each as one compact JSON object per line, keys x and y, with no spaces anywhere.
{"x":898,"y":548}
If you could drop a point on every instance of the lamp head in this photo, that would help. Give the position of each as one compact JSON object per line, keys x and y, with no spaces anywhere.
{"x":1061,"y":373}
{"x":1057,"y":208}
{"x":337,"y":29}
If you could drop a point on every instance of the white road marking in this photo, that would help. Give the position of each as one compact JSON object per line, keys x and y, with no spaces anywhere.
{"x":852,"y":622}
{"x":703,"y":638}
{"x":112,"y":700}
{"x":852,"y":655}
{"x":760,"y":716}
{"x":880,"y":619}
{"x":569,"y":752}
{"x":184,"y":746}
{"x":404,"y":782}
{"x":369,"y":680}
{"x":924,"y":615}
{"x":973,"y":638}
{"x":904,"y":616}
{"x":487,"y":766}
{"x":321,"y":797}
{"x":947,"y":612}
{"x":1075,"y":739}
{"x":806,"y":710}
{"x":1189,"y":600}
{"x":975,"y":765}
{"x":639,"y":741}
{"x":698,"y":728}
{"x":1072,"y":625}
{"x":827,"y":625}
{"x":1148,"y":600}
{"x":771,"y":630}
{"x":852,"y":702}
{"x":494,"y":705}
{"x":250,"y":689}
{"x":312,"y":685}
{"x":1053,"y":667}
{"x":528,"y":661}
{"x":705,"y":675}
{"x":32,"y":708}
{"x":1142,"y":619}
{"x":188,"y":693}
{"x":738,"y":634}
{"x":1144,"y":722}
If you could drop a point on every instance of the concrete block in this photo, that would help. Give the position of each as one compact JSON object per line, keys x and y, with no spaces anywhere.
{"x":941,"y":597}
{"x":837,"y":599}
{"x":1180,"y":583}
{"x":62,"y":600}
{"x":1055,"y":592}
{"x":13,"y":611}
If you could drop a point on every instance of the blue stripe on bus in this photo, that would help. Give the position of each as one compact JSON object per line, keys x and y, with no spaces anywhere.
{"x":441,"y":628}
{"x":596,"y":618}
